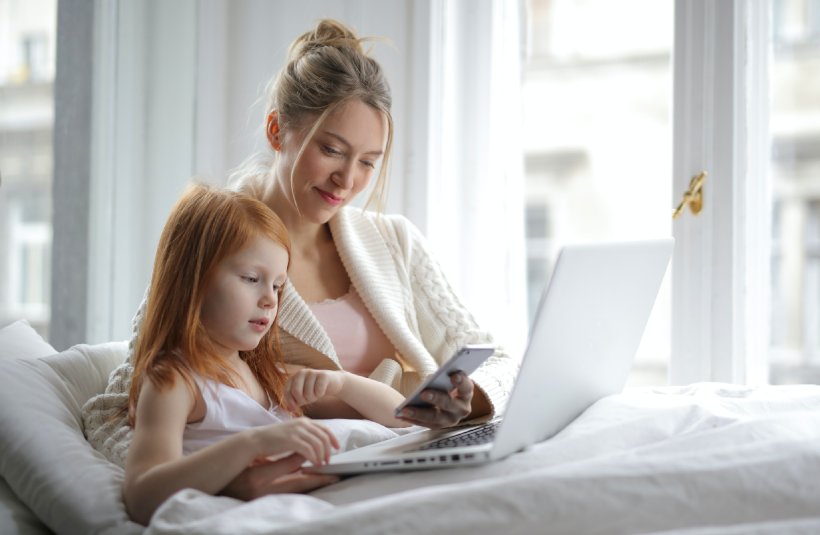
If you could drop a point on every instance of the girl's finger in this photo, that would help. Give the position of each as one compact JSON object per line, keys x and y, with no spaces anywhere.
{"x":331,"y":437}
{"x":320,"y":388}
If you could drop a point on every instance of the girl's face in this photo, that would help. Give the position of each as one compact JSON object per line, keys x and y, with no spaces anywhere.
{"x":242,"y":300}
{"x":336,"y":165}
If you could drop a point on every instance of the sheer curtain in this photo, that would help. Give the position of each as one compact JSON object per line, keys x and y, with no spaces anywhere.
{"x":475,"y":196}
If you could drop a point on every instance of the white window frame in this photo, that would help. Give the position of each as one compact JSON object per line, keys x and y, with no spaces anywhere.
{"x":721,"y":265}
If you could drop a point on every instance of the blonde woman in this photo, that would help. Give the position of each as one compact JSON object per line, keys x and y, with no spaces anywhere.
{"x":364,"y":295}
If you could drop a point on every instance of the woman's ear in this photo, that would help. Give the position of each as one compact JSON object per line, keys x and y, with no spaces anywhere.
{"x":273,"y":132}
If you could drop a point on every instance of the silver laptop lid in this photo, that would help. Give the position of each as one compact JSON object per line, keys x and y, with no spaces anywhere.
{"x":586,"y":331}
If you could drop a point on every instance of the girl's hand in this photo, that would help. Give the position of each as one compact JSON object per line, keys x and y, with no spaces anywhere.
{"x":308,"y":438}
{"x":448,"y":409}
{"x":308,"y":385}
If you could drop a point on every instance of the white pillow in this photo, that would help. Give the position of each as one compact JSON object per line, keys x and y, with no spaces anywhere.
{"x":19,"y":340}
{"x":15,"y":517}
{"x":44,"y":456}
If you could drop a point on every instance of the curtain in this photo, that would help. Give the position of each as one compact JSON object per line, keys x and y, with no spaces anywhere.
{"x":475,"y":195}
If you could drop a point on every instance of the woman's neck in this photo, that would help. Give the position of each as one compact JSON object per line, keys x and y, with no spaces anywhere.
{"x":305,"y":236}
{"x":316,"y":270}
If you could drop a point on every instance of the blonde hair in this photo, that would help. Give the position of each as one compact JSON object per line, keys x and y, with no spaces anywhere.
{"x":206,"y":225}
{"x":326,"y":68}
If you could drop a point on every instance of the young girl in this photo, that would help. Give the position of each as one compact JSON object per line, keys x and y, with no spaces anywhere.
{"x":208,"y":390}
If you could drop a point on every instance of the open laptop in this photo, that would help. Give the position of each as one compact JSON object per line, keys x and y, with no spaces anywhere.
{"x":586,"y":331}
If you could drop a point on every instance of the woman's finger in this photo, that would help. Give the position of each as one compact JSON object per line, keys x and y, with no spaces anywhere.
{"x":280,"y":467}
{"x":300,"y":482}
{"x":255,"y":480}
{"x":463,"y":385}
{"x":428,"y":417}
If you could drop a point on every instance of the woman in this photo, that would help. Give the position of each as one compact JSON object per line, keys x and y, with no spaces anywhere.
{"x":364,"y":293}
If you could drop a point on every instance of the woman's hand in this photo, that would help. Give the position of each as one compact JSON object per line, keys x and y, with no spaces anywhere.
{"x":308,"y":385}
{"x":310,"y":439}
{"x":448,"y":409}
{"x":273,"y":477}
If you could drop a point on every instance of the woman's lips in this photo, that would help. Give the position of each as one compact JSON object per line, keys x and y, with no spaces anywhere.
{"x":330,"y":198}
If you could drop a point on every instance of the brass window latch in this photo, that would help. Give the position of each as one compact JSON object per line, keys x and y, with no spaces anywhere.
{"x":693,"y":196}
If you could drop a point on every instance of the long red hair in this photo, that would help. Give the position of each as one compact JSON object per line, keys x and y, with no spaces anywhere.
{"x":206,"y":225}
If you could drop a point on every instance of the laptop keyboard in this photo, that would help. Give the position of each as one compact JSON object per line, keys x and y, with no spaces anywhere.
{"x":473,"y":437}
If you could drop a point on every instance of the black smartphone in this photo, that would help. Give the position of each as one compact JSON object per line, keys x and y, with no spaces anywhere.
{"x":467,"y":359}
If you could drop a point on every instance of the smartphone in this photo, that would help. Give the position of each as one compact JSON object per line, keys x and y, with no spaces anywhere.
{"x":467,"y":360}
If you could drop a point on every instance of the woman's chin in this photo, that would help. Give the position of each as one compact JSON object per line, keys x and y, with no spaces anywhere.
{"x":321,"y":216}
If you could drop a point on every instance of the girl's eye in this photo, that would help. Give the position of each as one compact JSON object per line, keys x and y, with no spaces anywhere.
{"x":250,"y":278}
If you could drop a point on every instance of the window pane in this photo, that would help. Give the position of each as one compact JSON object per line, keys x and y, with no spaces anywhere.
{"x":27,"y":59}
{"x":795,"y":124}
{"x":598,"y":139}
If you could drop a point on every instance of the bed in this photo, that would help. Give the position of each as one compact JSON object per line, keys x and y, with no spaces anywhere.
{"x":702,"y":458}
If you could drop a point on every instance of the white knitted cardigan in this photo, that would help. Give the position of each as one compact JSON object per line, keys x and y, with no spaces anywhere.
{"x":403,"y":288}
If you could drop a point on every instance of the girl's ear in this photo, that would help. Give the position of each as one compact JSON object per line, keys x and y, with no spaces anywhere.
{"x":273,"y":132}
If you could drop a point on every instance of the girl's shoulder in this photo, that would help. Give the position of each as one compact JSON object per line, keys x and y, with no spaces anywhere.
{"x":171,"y":368}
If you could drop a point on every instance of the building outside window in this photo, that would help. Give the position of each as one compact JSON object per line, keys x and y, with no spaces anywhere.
{"x":598,"y":161}
{"x":27,"y":67}
{"x":795,"y":172}
{"x":598,"y":139}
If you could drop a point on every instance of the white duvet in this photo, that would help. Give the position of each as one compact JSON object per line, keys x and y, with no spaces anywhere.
{"x":707,"y":458}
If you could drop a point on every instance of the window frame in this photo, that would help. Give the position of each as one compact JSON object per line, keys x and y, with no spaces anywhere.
{"x":721,"y":264}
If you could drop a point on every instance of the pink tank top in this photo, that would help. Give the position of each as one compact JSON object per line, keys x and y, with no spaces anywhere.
{"x":360,"y":343}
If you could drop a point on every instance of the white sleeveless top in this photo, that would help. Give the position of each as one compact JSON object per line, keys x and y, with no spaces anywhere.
{"x":359,"y":342}
{"x":228,"y":410}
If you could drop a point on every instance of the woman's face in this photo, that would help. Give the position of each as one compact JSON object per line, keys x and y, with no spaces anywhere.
{"x":337,"y":163}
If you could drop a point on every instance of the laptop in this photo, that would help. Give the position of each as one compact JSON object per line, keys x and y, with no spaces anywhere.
{"x":586,"y":330}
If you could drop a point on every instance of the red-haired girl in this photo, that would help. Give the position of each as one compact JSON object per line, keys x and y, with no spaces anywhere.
{"x":208,"y":386}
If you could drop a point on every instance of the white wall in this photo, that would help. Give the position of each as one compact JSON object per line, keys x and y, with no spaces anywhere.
{"x":255,"y":35}
{"x":179,"y":92}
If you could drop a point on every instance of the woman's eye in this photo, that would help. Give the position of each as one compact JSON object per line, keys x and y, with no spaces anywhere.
{"x":330,"y":150}
{"x":369,"y":164}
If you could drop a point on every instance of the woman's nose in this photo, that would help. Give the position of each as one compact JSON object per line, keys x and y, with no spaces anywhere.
{"x":343,"y":177}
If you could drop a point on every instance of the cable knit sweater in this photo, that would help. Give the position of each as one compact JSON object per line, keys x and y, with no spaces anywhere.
{"x":404,"y":289}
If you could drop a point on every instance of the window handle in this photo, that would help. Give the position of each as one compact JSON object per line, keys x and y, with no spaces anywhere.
{"x":693,"y":196}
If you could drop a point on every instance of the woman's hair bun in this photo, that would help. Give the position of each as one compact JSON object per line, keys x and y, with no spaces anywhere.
{"x":327,"y":32}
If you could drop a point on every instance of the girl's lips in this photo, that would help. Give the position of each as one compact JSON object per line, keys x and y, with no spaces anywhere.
{"x":259,"y":325}
{"x":330,"y":198}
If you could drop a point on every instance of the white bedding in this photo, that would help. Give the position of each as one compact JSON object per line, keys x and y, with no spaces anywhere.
{"x":708,"y":458}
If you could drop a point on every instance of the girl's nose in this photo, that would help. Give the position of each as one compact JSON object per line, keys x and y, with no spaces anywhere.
{"x":269,"y":298}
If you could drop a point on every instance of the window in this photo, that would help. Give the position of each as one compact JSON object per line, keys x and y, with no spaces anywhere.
{"x":27,"y":43}
{"x":795,"y":175}
{"x":598,"y":140}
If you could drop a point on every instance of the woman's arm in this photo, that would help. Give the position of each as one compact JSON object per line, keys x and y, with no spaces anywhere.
{"x":156,"y":467}
{"x":322,"y":390}
{"x":445,"y":325}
